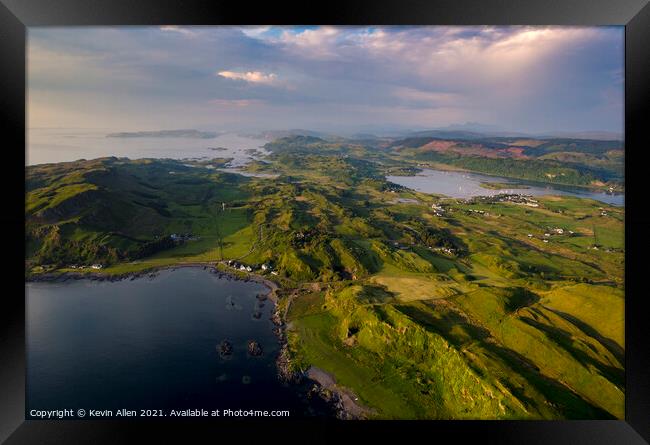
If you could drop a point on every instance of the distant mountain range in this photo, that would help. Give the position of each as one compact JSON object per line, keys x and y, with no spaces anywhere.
{"x":466,"y":131}
{"x":478,"y":131}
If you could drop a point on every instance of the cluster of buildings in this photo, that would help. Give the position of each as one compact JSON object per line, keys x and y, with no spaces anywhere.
{"x":552,"y":231}
{"x":437,"y":210}
{"x":446,"y":250}
{"x":92,"y":266}
{"x":480,"y":212}
{"x":513,"y":198}
{"x":179,"y":237}
{"x":246,"y":268}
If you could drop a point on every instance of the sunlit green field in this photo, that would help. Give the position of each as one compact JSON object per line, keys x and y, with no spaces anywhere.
{"x":466,"y":315}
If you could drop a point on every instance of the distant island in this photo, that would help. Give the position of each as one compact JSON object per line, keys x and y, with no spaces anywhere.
{"x":194,"y":134}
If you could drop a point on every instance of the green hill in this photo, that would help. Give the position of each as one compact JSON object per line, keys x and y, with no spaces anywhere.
{"x":420,"y":314}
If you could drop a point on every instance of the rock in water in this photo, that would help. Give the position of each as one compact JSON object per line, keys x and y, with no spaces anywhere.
{"x":254,"y":348}
{"x":222,"y":378}
{"x":225,"y":348}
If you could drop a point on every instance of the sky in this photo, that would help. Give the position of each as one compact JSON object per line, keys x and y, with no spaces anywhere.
{"x":346,"y":79}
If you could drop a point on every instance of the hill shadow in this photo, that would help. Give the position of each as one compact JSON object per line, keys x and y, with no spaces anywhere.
{"x":570,"y":404}
{"x":611,"y":345}
{"x":563,"y":339}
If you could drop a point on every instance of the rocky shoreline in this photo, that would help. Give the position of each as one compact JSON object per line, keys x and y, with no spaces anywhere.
{"x":314,"y":383}
{"x":152,"y":272}
{"x":336,"y":400}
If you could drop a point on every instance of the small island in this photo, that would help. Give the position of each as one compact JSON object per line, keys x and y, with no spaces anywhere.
{"x":502,"y":185}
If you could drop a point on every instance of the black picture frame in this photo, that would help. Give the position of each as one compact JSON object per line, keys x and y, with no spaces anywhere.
{"x":16,"y":15}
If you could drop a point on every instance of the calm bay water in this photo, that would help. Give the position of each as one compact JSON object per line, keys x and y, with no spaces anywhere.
{"x":152,"y":343}
{"x":467,"y":185}
{"x":58,"y":145}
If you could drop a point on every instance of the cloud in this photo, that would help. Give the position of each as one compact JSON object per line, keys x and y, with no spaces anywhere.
{"x":249,"y":76}
{"x":255,"y":31}
{"x":312,"y":43}
{"x":462,"y":56}
{"x":526,"y":78}
{"x":431,"y":99}
{"x":225,"y":103}
{"x":177,"y":29}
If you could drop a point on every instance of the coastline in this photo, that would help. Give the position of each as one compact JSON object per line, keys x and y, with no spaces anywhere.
{"x":61,"y":276}
{"x":523,"y":181}
{"x":308,"y":383}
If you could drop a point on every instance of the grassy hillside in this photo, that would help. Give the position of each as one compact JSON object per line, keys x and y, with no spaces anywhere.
{"x":579,"y":162}
{"x":485,"y":310}
{"x":111,"y":210}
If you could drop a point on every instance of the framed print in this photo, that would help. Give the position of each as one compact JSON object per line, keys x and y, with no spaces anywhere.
{"x":346,"y":221}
